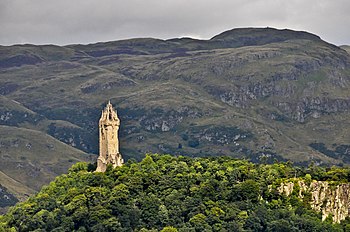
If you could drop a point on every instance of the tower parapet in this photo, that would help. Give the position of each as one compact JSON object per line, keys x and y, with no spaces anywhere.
{"x":108,"y":137}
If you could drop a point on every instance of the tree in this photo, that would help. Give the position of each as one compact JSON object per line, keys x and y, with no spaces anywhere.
{"x":169,"y":229}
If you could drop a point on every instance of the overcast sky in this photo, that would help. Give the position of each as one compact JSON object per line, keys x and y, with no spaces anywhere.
{"x":88,"y":21}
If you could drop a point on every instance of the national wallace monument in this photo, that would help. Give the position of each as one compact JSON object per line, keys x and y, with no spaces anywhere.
{"x":108,"y":139}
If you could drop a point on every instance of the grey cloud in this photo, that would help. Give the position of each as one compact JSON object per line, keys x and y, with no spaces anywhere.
{"x":87,"y":21}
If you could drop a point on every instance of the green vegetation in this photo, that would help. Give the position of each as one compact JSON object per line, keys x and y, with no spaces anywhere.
{"x":260,"y":94}
{"x":166,"y":193}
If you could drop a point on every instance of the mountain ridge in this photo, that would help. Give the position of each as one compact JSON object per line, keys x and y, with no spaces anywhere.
{"x":264,"y":94}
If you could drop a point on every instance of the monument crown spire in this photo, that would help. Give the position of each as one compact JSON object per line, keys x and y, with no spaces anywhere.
{"x":108,"y":139}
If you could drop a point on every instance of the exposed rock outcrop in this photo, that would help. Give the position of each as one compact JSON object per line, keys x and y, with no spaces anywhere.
{"x":330,"y":199}
{"x":163,"y":121}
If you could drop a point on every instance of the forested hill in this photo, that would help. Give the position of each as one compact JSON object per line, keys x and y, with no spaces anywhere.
{"x":167,"y":193}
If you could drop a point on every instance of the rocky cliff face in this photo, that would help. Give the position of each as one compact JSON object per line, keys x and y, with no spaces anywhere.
{"x":331,"y":200}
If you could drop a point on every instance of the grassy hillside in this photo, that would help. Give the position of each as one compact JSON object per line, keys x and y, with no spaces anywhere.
{"x":30,"y":159}
{"x":262,"y":94}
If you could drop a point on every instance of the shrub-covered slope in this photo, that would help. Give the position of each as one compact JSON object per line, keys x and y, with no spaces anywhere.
{"x":176,"y":194}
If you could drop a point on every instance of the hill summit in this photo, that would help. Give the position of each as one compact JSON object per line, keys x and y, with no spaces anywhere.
{"x":261,"y":36}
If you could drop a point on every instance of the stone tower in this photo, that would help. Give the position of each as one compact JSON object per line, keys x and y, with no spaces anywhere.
{"x":109,"y":143}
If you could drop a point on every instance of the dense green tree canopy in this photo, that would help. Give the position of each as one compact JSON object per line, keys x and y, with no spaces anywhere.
{"x":166,"y":193}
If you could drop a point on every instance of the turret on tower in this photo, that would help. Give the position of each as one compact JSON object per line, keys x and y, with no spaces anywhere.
{"x":109,"y":144}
